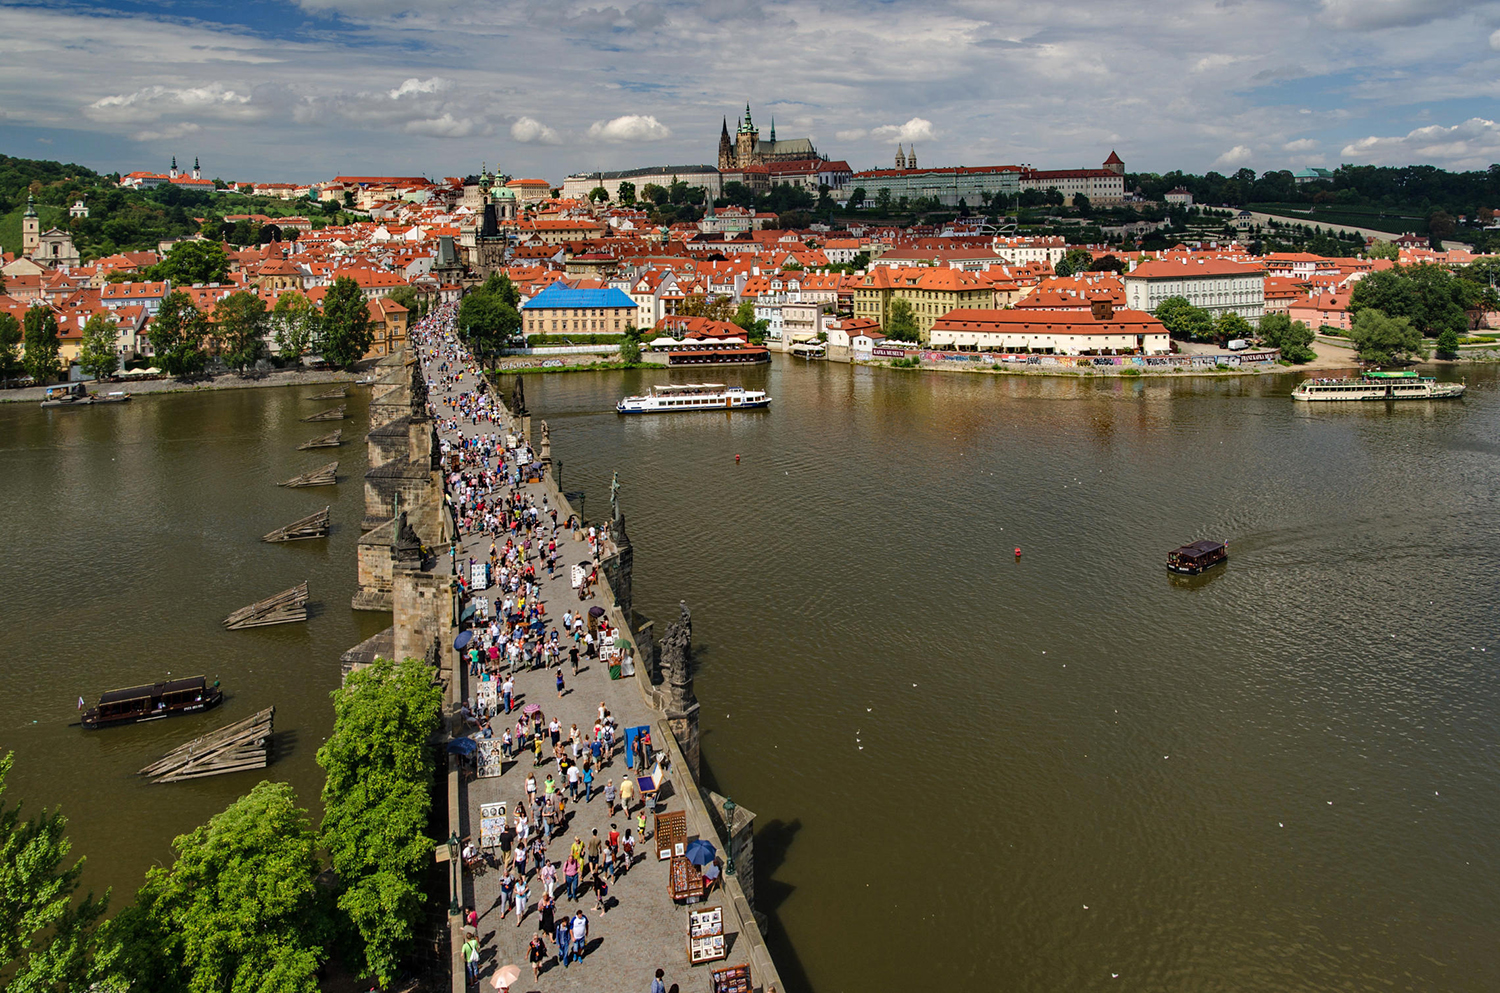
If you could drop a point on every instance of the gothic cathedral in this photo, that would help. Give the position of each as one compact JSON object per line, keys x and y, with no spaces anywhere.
{"x":746,"y":149}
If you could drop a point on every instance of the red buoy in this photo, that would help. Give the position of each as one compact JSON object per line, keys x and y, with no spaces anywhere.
{"x":1018,"y":553}
{"x":736,"y":458}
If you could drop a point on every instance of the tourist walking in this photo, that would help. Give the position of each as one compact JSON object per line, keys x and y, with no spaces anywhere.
{"x":580,"y":935}
{"x":657,"y":986}
{"x":536,"y":954}
{"x":570,"y":876}
{"x":563,"y":936}
{"x":471,"y":958}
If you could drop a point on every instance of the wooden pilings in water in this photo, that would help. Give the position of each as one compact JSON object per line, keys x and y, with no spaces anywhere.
{"x":286,"y":607}
{"x":325,"y":441}
{"x":337,"y":393}
{"x":331,"y":414}
{"x":243,"y":745}
{"x":325,"y":476}
{"x":311,"y":526}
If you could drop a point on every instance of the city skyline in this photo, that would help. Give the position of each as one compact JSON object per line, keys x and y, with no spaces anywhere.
{"x":303,"y":91}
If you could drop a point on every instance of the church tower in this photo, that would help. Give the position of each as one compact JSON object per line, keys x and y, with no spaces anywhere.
{"x":745,"y":141}
{"x":911,"y":157}
{"x":900,"y":157}
{"x":31,"y":229}
{"x":197,"y":172}
{"x":173,"y":173}
{"x":726,"y":149}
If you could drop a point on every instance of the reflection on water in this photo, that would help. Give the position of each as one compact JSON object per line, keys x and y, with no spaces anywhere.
{"x":1038,"y":774}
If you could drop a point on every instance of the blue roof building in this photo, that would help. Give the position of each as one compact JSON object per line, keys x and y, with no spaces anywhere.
{"x":559,"y":309}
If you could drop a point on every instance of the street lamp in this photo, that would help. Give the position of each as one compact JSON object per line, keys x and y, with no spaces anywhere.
{"x":453,"y":861}
{"x":729,"y":808}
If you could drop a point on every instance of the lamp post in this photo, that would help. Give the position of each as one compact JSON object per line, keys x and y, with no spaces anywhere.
{"x":453,"y":861}
{"x":729,"y":808}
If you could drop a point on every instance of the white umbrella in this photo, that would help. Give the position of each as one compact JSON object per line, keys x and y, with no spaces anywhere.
{"x":505,"y":975}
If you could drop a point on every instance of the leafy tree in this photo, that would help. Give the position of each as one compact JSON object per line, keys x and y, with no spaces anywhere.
{"x":178,"y":334}
{"x":43,"y":345}
{"x":901,"y":323}
{"x":1183,"y":320}
{"x":744,"y":317}
{"x":857,"y":198}
{"x":499,"y":285}
{"x":190,"y":262}
{"x":406,"y":296}
{"x":238,"y":912}
{"x":1081,"y":203}
{"x":376,"y":801}
{"x":1075,"y":260}
{"x":346,"y":332}
{"x":1107,"y":263}
{"x":711,"y":306}
{"x":1230,"y":326}
{"x":627,"y":192}
{"x":1447,"y":344}
{"x":1430,"y":296}
{"x":11,"y":337}
{"x":655,"y":193}
{"x":1292,"y":337}
{"x":1382,"y":339}
{"x":630,"y":351}
{"x":1381,"y":249}
{"x":240,"y":322}
{"x":99,"y":352}
{"x":296,"y":322}
{"x":46,"y":942}
{"x":599,"y":195}
{"x":1440,"y":225}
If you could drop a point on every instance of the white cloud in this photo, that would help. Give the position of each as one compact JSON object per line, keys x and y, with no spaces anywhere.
{"x":1473,"y":144}
{"x":1234,"y":158}
{"x":1495,"y":40}
{"x":153,"y":102}
{"x":170,"y":131}
{"x":852,"y":135}
{"x":631,"y":127}
{"x":528,"y":130}
{"x":446,"y":126}
{"x":912,"y":130}
{"x":1301,"y":145}
{"x":434,"y":85}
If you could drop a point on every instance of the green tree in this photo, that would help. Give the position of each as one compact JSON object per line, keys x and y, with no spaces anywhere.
{"x":1447,"y":344}
{"x":296,"y":322}
{"x":1382,"y":339}
{"x":43,"y":345}
{"x":46,"y":941}
{"x":376,"y":801}
{"x":99,"y":353}
{"x":711,"y":306}
{"x":238,"y":912}
{"x":1231,"y":326}
{"x":630,"y":351}
{"x":1183,"y":320}
{"x":627,"y":192}
{"x":498,"y":284}
{"x":1292,"y":337}
{"x":599,"y":195}
{"x":11,"y":366}
{"x":655,"y":193}
{"x":190,"y":262}
{"x":901,"y":323}
{"x":240,"y":323}
{"x":406,"y":295}
{"x":744,"y":317}
{"x":1074,"y":261}
{"x":857,"y":198}
{"x":1440,"y":225}
{"x":346,"y":333}
{"x":1381,"y":249}
{"x":1430,"y":296}
{"x":487,"y":322}
{"x":1081,"y":203}
{"x":178,"y":335}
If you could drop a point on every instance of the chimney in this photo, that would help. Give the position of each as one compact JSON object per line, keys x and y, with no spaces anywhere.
{"x":1103,"y":310}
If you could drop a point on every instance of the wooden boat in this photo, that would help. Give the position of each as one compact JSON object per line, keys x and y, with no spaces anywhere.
{"x":76,"y":395}
{"x":1200,"y":555}
{"x":153,"y":702}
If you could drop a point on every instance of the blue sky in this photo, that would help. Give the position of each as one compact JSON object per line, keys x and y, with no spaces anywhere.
{"x":304,"y":90}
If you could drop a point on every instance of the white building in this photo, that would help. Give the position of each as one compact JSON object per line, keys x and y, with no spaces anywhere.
{"x":1019,"y":251}
{"x":1216,"y":285}
{"x":578,"y":185}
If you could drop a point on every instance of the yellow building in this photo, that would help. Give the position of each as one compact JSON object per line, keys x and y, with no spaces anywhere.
{"x":931,"y":293}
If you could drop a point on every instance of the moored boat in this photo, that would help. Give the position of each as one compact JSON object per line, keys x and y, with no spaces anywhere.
{"x":75,"y":395}
{"x":693,"y":396}
{"x":1398,"y":385}
{"x":154,"y":701}
{"x":1198,"y":556}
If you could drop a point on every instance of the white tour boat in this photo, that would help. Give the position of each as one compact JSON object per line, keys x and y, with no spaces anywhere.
{"x":1404,"y":385}
{"x":693,"y":396}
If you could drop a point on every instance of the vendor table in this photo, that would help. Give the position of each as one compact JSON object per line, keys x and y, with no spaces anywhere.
{"x":670,"y":834}
{"x":684,"y":880}
{"x":731,"y":979}
{"x":706,"y":935}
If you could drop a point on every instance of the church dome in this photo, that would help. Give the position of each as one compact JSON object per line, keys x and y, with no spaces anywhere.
{"x":501,"y":193}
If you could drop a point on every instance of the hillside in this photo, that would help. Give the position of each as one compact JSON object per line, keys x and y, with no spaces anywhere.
{"x":10,"y":225}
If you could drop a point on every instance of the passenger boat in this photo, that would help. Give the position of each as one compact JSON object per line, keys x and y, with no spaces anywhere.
{"x":693,"y":396}
{"x":75,"y":395}
{"x":1200,"y":555}
{"x":1402,"y":385}
{"x":153,"y":702}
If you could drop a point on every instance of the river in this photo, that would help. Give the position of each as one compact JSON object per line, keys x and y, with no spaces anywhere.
{"x":972,"y":771}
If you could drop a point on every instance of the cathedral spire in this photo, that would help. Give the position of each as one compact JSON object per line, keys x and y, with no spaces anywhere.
{"x":773,"y":130}
{"x":725,"y":131}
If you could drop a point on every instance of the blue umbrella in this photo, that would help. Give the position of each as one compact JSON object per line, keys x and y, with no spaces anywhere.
{"x":700,"y":852}
{"x":463,"y":639}
{"x":463,"y":746}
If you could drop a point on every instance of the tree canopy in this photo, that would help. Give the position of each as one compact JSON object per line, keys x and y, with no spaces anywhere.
{"x":1429,"y":296}
{"x":1383,"y":339}
{"x":178,"y":334}
{"x":10,"y":348}
{"x":98,"y":354}
{"x":296,"y":321}
{"x":376,"y":801}
{"x":1183,"y":320}
{"x":488,"y":318}
{"x":901,"y":322}
{"x":43,"y":344}
{"x":190,"y":262}
{"x":1292,"y":337}
{"x":346,"y":334}
{"x":240,"y":322}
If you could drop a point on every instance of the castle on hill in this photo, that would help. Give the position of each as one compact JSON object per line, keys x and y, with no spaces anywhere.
{"x":748,"y":150}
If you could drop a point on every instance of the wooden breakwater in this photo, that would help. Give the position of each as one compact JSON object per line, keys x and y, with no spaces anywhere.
{"x":311,"y":526}
{"x":322,"y":476}
{"x":234,"y":748}
{"x":324,"y":441}
{"x":286,"y":607}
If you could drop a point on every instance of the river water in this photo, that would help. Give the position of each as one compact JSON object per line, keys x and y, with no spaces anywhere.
{"x":1067,"y":771}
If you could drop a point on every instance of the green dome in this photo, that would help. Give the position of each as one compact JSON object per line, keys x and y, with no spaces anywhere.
{"x":502,"y":193}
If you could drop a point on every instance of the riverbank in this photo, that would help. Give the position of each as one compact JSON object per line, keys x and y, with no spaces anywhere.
{"x":223,"y":381}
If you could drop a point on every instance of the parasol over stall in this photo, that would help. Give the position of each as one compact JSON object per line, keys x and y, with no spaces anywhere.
{"x":700,"y":852}
{"x":463,"y":639}
{"x":463,"y":746}
{"x":596,"y":611}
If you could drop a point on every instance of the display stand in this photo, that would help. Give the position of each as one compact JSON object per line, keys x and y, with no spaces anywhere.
{"x":706,"y":935}
{"x":684,"y":880}
{"x":670,"y":834}
{"x":731,"y":979}
{"x":489,"y":759}
{"x":491,"y":824}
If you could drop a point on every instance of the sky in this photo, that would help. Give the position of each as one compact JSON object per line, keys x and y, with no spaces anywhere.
{"x":302,"y":90}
